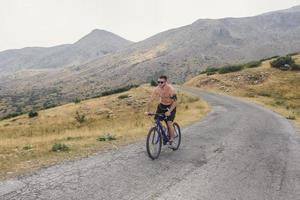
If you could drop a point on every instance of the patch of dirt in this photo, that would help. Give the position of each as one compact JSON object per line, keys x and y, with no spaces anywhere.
{"x":253,"y":78}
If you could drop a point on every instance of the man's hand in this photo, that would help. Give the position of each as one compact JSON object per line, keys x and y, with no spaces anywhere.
{"x":168,"y":113}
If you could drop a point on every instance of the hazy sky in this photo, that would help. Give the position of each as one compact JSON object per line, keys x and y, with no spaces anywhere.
{"x":53,"y":22}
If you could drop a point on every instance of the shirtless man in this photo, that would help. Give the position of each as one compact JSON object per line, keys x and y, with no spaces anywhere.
{"x":167,"y":103}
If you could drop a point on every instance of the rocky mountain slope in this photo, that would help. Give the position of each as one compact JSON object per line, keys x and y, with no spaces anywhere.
{"x":92,"y":46}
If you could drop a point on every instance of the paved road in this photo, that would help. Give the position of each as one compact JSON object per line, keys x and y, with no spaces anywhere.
{"x":239,"y":151}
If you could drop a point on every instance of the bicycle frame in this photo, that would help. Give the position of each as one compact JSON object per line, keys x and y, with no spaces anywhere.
{"x":159,"y":127}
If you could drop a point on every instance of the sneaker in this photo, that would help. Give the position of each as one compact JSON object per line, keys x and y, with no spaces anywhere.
{"x":171,"y":145}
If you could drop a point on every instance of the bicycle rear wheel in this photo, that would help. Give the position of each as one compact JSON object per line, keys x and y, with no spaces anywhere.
{"x":177,"y":138}
{"x":154,"y":143}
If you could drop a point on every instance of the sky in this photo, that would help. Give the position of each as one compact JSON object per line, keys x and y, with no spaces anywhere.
{"x":25,"y":23}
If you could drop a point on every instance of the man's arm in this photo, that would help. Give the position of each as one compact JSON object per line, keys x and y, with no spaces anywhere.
{"x":174,"y":98}
{"x":168,"y":113}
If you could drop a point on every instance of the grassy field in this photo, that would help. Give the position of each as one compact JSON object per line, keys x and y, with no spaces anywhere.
{"x":274,"y":88}
{"x":26,"y":143}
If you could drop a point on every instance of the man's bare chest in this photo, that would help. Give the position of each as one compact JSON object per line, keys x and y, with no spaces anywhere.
{"x":164,"y":93}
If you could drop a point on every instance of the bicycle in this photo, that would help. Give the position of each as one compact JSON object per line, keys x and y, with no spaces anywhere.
{"x":158,"y":135}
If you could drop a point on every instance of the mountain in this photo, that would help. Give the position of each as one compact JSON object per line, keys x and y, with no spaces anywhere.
{"x":183,"y":52}
{"x":179,"y":53}
{"x":94,"y":45}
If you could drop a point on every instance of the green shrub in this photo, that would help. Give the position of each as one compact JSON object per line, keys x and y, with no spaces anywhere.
{"x":283,"y":63}
{"x":153,"y":83}
{"x":123,"y":96}
{"x":74,"y":138}
{"x":264,"y":93}
{"x":106,"y":137}
{"x":32,"y":114}
{"x":77,"y":101}
{"x":211,"y":69}
{"x":252,"y":64}
{"x":118,"y":90}
{"x":11,"y":115}
{"x":279,"y":102}
{"x":48,"y":105}
{"x":228,"y":69}
{"x":210,"y":73}
{"x":57,"y":147}
{"x":27,"y":147}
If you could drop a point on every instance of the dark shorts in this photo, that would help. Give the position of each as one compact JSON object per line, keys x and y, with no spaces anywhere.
{"x":162,"y":109}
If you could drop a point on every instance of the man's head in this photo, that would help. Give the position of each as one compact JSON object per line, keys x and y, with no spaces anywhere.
{"x":162,"y":81}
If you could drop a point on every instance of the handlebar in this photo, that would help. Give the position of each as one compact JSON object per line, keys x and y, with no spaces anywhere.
{"x":160,"y":115}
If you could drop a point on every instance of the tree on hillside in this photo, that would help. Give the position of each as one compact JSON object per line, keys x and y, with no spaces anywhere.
{"x":153,"y":83}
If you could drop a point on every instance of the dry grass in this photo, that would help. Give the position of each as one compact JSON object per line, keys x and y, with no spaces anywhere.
{"x":276,"y":89}
{"x":25,"y":143}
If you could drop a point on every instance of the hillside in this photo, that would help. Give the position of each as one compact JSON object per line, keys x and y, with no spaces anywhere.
{"x":180,"y":53}
{"x":269,"y":86}
{"x":26,"y":143}
{"x":94,"y":45}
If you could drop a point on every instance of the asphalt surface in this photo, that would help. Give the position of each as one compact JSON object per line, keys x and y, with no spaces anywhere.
{"x":239,"y":151}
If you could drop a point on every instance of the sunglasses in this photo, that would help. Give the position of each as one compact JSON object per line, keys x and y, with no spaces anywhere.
{"x":160,"y":82}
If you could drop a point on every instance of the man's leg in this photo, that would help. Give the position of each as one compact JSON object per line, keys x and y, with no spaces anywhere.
{"x":171,"y":130}
{"x":170,"y":125}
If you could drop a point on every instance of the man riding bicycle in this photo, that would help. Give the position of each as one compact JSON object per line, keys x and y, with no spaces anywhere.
{"x":167,"y":104}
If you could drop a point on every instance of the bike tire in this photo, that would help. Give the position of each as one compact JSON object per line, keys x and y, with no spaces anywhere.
{"x":154,"y":138}
{"x":177,"y":136}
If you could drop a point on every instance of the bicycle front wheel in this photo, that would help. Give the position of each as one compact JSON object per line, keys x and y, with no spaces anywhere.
{"x":154,"y":143}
